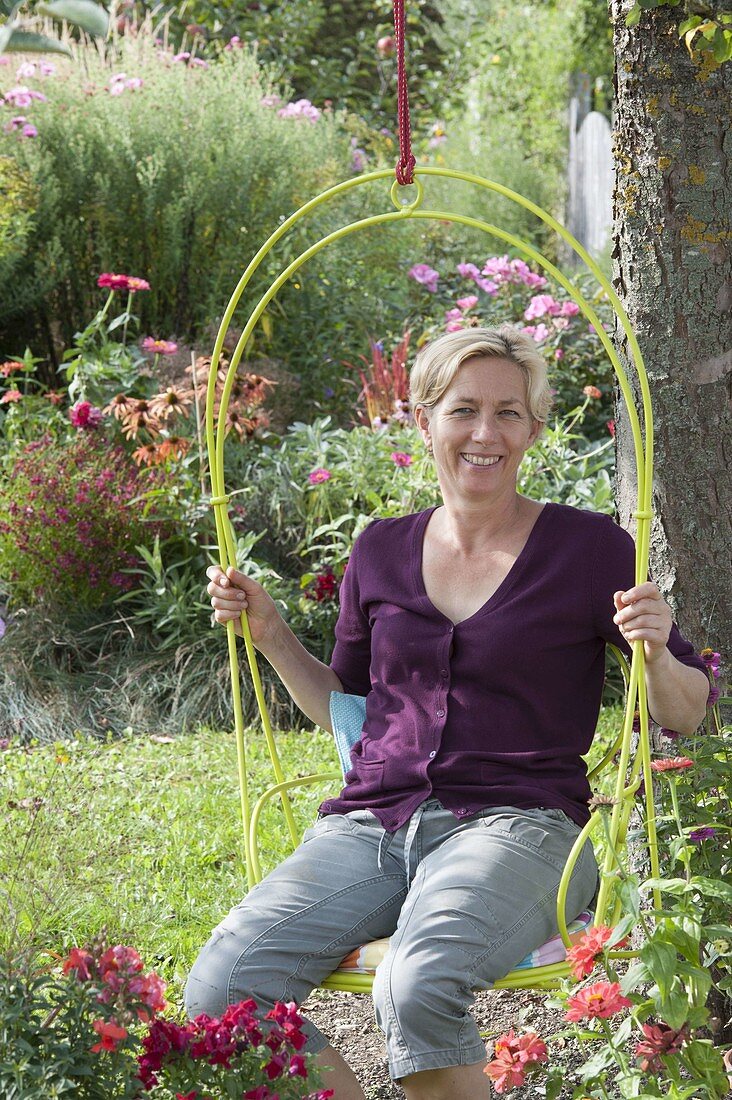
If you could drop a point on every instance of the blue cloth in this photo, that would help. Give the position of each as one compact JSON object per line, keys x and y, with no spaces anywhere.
{"x":347,"y":714}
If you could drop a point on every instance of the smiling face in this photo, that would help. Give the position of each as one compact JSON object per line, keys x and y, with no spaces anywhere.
{"x":480,"y":430}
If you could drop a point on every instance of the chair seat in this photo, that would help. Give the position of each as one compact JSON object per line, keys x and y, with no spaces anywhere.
{"x":365,"y":959}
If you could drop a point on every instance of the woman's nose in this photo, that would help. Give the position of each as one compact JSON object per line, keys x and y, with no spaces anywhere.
{"x":485,"y":430}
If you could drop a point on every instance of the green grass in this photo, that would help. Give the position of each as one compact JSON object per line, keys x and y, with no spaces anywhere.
{"x":143,"y":838}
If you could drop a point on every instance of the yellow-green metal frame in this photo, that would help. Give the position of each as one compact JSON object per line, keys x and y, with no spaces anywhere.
{"x":634,"y":760}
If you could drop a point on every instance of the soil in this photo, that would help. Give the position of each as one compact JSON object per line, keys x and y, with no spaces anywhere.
{"x":348,"y":1021}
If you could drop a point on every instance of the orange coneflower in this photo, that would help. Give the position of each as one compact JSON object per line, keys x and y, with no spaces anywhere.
{"x":145,"y":455}
{"x":175,"y":446}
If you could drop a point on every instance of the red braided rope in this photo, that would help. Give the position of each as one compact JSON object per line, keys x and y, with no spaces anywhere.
{"x":405,"y":164}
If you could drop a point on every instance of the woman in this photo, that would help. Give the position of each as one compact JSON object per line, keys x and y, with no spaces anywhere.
{"x":477,"y":631}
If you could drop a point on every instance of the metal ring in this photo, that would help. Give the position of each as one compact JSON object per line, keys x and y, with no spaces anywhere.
{"x":406,"y":207}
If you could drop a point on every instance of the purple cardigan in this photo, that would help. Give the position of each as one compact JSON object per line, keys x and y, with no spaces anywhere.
{"x":498,"y":709}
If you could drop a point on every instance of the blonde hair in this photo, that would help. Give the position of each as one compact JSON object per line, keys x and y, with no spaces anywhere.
{"x":438,"y":362}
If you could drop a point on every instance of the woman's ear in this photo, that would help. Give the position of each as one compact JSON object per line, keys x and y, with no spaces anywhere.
{"x":422,"y":420}
{"x":535,"y":433}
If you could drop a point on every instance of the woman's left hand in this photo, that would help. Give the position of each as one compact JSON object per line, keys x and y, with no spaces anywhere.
{"x":642,"y":614}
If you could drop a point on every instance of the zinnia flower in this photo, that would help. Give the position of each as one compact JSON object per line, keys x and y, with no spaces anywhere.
{"x":671,"y":764}
{"x":588,"y":948}
{"x":111,"y":281}
{"x":600,"y":1000}
{"x":513,"y":1055}
{"x":159,"y":347}
{"x":85,"y":415}
{"x":659,"y":1039}
{"x":317,"y":477}
{"x":592,"y":391}
{"x":705,"y":833}
{"x":426,"y":275}
{"x":399,"y":458}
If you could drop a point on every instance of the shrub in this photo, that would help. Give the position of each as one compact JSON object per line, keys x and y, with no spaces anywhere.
{"x":74,"y":1030}
{"x":115,"y":193}
{"x":71,"y":517}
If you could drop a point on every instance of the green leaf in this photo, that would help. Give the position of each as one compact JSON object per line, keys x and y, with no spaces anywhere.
{"x":29,"y":42}
{"x":713,"y":888}
{"x":91,"y":17}
{"x":722,"y":44}
{"x":661,"y":960}
{"x":601,"y":1060}
{"x":689,"y":24}
{"x":633,"y":16}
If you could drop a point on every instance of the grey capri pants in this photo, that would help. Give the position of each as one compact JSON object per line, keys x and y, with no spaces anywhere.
{"x":463,"y":900}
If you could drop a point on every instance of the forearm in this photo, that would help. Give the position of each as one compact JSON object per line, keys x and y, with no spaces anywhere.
{"x":307,"y":679}
{"x":677,"y":694}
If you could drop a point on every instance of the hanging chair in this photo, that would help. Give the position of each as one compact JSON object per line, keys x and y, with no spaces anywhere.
{"x":395,"y":204}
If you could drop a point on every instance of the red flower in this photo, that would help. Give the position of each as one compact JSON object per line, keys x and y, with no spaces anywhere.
{"x":671,"y":764}
{"x":111,"y":1034}
{"x":186,"y":1095}
{"x":159,"y":347}
{"x":513,"y":1055}
{"x":659,"y":1039}
{"x":399,"y":458}
{"x":78,"y":962}
{"x":582,"y":956}
{"x":611,"y":427}
{"x":600,"y":1000}
{"x":85,"y":415}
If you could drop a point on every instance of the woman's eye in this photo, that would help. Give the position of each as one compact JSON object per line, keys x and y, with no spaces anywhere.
{"x":511,"y":412}
{"x":462,"y":409}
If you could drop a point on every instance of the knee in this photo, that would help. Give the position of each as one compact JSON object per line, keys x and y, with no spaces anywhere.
{"x":206,"y":987}
{"x":408,"y":994}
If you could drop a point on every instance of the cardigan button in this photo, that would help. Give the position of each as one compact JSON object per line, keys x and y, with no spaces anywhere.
{"x":440,"y":714}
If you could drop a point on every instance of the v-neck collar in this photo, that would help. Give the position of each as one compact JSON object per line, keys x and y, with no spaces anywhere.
{"x":504,"y":587}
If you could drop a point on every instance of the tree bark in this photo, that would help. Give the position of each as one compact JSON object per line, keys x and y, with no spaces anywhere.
{"x":672,"y":269}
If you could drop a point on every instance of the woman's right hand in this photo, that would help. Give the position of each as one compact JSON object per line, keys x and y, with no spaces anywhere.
{"x":233,"y":592}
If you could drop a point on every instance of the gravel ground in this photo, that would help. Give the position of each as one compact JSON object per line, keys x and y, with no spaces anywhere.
{"x":348,"y":1021}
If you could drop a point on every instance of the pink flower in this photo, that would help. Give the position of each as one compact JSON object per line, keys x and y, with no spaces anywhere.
{"x":399,"y":458}
{"x":11,"y":396}
{"x":110,"y":280}
{"x":301,"y":108}
{"x":559,"y":354}
{"x":317,"y":477}
{"x":22,"y":96}
{"x":29,"y":130}
{"x":610,"y":425}
{"x":513,"y":1056}
{"x":671,"y":764}
{"x":426,"y":275}
{"x":454,"y":326}
{"x":487,"y":286}
{"x":592,"y":391}
{"x":454,"y":315}
{"x":468,"y":303}
{"x":468,"y":271}
{"x":85,"y":415}
{"x":540,"y":305}
{"x":600,"y":1000}
{"x":159,"y":347}
{"x":569,"y":309}
{"x":111,"y":1035}
{"x":12,"y":366}
{"x":588,"y":948}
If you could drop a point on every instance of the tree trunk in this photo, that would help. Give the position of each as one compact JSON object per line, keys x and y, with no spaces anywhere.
{"x":672,"y":269}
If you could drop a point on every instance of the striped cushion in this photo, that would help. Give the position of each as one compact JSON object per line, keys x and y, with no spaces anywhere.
{"x":365,"y":959}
